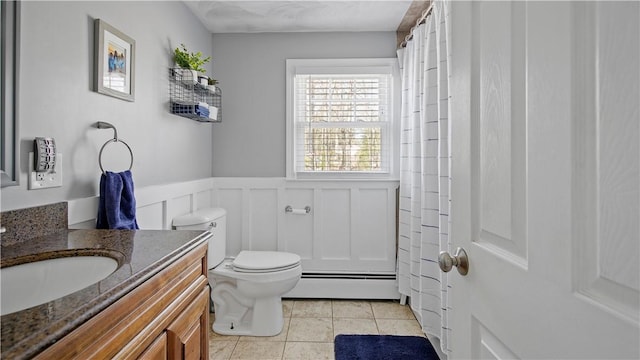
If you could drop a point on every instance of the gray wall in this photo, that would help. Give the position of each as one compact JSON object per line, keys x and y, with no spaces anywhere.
{"x":57,"y":100}
{"x":251,"y":68}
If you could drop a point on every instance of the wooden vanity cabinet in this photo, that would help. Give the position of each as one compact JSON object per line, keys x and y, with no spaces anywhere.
{"x":184,"y":334}
{"x":157,"y":350}
{"x":166,"y":317}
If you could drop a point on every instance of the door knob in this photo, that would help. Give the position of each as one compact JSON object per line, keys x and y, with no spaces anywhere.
{"x":459,"y":260}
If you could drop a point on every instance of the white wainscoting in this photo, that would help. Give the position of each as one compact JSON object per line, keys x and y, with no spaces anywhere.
{"x":155,"y":205}
{"x":347,"y":242}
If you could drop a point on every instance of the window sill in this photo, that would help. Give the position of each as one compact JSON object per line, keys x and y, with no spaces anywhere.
{"x":342,"y":179}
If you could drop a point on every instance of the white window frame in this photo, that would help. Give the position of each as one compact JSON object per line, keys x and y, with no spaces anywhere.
{"x":343,"y":66}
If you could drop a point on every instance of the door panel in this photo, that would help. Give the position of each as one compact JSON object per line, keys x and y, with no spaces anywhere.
{"x":336,"y":209}
{"x":499,"y":60}
{"x":486,"y":345}
{"x":545,"y":179}
{"x":607,"y":182}
{"x":263,"y":231}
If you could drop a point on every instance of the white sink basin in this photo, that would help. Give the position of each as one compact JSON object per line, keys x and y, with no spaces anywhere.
{"x":30,"y":284}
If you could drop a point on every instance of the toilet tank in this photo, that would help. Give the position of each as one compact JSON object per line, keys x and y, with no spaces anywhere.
{"x":213,"y":220}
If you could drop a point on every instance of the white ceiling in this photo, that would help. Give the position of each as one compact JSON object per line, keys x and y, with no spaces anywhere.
{"x":243,"y":16}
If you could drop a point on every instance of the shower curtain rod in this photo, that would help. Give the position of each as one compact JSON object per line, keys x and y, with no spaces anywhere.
{"x":420,"y":21}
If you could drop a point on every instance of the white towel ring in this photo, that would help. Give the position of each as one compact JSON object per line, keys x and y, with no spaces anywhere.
{"x":106,"y":125}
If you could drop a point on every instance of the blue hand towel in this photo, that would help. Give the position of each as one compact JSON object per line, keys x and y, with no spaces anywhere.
{"x":196,"y":109}
{"x":117,"y":207}
{"x":202,"y":111}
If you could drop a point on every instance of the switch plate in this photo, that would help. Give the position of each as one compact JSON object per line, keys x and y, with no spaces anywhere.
{"x":47,"y":179}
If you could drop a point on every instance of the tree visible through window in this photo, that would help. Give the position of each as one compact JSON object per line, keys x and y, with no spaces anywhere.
{"x":343,"y":121}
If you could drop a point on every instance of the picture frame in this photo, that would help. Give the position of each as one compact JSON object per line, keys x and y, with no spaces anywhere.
{"x":114,"y":62}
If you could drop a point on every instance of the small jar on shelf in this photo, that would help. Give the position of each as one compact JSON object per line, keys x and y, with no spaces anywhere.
{"x":211,"y":85}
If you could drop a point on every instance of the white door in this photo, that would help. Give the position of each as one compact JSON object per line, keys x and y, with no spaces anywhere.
{"x":545,"y":193}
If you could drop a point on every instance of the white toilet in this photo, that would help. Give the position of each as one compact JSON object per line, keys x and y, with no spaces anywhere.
{"x":247,"y":289}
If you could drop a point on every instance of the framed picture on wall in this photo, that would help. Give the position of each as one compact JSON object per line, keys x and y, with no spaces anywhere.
{"x":114,"y":65}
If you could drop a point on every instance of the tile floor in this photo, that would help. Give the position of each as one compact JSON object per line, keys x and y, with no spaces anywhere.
{"x":310,"y":327}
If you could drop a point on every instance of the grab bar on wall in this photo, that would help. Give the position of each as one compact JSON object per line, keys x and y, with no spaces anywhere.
{"x":290,"y":209}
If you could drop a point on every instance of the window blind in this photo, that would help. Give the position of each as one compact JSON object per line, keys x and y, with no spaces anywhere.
{"x":342,"y":122}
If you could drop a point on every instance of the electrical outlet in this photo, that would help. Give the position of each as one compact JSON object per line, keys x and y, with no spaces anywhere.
{"x":45,"y":179}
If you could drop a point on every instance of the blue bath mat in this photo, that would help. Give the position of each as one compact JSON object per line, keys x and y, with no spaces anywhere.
{"x":383,"y":347}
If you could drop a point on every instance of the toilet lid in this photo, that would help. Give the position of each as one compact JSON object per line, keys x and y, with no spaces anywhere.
{"x":264,"y":261}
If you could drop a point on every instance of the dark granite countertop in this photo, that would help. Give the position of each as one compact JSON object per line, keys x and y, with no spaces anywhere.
{"x":140,"y":254}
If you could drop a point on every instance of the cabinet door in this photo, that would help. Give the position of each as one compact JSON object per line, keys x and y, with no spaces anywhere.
{"x":187,"y":336}
{"x":157,"y":350}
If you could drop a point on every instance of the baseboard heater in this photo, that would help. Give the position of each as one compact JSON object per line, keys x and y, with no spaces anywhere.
{"x":348,"y":276}
{"x":345,"y":286}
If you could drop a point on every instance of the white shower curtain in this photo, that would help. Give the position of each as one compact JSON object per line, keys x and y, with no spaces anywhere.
{"x":424,"y":174}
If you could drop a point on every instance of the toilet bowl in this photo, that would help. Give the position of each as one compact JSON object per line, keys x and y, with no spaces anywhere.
{"x":248,"y":301}
{"x":246,"y":290}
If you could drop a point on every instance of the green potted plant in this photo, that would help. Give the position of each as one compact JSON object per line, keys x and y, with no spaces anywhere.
{"x":190,"y":61}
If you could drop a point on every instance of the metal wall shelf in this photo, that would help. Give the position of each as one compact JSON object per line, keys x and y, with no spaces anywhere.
{"x":188,"y":98}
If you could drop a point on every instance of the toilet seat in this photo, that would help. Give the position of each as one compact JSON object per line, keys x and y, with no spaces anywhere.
{"x":264,"y":261}
{"x":226,"y":270}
